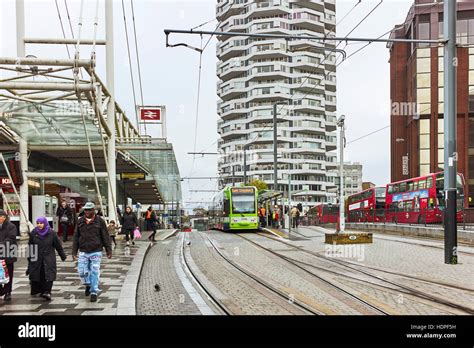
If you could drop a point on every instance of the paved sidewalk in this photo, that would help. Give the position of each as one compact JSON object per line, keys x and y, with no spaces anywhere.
{"x":119,"y":279}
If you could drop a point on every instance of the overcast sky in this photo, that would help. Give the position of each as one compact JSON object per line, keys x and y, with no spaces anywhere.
{"x":170,"y":75}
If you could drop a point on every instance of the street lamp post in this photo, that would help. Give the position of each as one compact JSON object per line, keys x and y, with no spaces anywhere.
{"x":342,"y":223}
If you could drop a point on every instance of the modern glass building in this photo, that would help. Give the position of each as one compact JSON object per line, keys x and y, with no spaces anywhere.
{"x":298,"y":74}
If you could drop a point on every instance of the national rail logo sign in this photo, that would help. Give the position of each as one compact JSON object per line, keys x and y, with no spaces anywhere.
{"x":150,"y":114}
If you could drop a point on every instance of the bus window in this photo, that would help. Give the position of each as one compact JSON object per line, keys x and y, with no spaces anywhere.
{"x":390,"y":189}
{"x":410,"y":186}
{"x":415,"y":186}
{"x":403,"y":187}
{"x":422,"y":184}
{"x":395,"y":188}
{"x":429,"y":182}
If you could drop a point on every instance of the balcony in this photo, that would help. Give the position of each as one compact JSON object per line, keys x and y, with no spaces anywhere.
{"x":232,"y":89}
{"x":231,"y":48}
{"x":269,"y":8}
{"x":231,"y":110}
{"x":308,"y":105}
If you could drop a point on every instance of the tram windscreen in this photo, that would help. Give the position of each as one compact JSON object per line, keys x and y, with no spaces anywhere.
{"x":243,"y":203}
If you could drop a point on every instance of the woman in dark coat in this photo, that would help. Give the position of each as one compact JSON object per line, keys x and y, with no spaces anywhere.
{"x":42,"y":270}
{"x":129,"y":222}
{"x":65,"y":218}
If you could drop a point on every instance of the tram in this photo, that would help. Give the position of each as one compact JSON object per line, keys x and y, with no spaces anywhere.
{"x":234,"y":208}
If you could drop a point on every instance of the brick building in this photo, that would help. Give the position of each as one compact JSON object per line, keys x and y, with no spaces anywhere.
{"x":416,"y":91}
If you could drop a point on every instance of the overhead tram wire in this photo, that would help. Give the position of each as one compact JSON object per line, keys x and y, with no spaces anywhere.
{"x":348,"y":12}
{"x":62,"y":27}
{"x":131,"y":67}
{"x":197,"y":108}
{"x":199,"y":85}
{"x":138,"y":59}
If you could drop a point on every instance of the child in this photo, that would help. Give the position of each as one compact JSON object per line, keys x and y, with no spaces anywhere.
{"x":112,"y":229}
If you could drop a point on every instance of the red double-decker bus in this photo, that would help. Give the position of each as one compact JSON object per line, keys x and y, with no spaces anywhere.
{"x":366,"y":206}
{"x":323,"y":213}
{"x":421,"y":200}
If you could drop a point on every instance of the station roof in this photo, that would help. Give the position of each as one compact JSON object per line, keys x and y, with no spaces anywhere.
{"x":57,"y":129}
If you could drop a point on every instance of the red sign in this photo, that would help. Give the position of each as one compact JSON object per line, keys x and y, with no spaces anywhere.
{"x":150,"y":114}
{"x":5,"y":181}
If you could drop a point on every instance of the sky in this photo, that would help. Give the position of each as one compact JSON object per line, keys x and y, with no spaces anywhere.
{"x":170,"y":75}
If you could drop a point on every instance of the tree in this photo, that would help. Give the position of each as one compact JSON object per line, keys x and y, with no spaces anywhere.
{"x":199,"y":212}
{"x":259,"y":184}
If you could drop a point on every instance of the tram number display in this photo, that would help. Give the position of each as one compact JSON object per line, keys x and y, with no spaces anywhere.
{"x":242,"y":190}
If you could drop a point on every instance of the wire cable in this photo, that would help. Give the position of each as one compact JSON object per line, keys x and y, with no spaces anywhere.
{"x":62,"y":27}
{"x":131,"y":67}
{"x":138,"y":58}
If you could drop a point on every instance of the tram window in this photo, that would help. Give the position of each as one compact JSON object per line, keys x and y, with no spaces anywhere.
{"x":410,"y":186}
{"x":429,"y":182}
{"x":226,"y":207}
{"x":395,"y":188}
{"x":390,"y":189}
{"x":415,"y":185}
{"x":422,"y":184}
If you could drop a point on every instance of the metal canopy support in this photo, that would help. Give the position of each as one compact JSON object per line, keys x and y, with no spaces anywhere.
{"x":450,"y":114}
{"x":61,"y":41}
{"x":111,"y":114}
{"x":23,"y":147}
{"x":55,"y":175}
{"x":20,"y":28}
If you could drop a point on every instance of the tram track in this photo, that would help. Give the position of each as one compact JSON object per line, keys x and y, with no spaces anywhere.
{"x":299,"y":304}
{"x":296,"y":264}
{"x":213,"y":299}
{"x":350,"y":266}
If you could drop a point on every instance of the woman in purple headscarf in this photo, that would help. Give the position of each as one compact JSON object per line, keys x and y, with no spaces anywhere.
{"x":42,"y":258}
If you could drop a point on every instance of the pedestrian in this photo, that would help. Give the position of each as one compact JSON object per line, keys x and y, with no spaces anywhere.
{"x":151,"y":221}
{"x":113,"y":229}
{"x":90,"y":238}
{"x":42,"y":268}
{"x":264,"y":216}
{"x":65,"y":218}
{"x":129,"y":222}
{"x":8,"y":249}
{"x":277,"y":217}
{"x":294,"y":217}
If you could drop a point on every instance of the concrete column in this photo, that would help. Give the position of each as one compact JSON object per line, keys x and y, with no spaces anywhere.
{"x":24,"y":187}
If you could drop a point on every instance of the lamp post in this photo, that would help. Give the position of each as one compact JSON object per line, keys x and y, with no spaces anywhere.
{"x":342,"y":223}
{"x":178,"y":213}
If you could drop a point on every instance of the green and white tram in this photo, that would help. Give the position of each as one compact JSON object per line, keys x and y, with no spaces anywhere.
{"x":234,"y":208}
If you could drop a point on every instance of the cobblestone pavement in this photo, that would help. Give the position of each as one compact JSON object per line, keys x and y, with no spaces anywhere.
{"x":68,"y":293}
{"x":287,"y":277}
{"x":239,"y":293}
{"x":160,"y":268}
{"x":412,"y":259}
